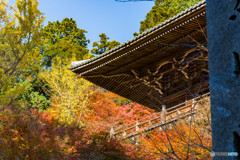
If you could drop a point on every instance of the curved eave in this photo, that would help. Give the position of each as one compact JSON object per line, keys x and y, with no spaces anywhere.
{"x":160,"y":31}
{"x":158,"y":45}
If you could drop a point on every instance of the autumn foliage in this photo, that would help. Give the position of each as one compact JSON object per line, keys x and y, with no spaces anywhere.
{"x":47,"y":112}
{"x":176,"y":143}
{"x":187,"y":138}
{"x":110,"y":109}
{"x":30,"y":134}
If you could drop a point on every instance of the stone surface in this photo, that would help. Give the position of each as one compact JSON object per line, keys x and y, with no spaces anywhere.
{"x":223,"y":29}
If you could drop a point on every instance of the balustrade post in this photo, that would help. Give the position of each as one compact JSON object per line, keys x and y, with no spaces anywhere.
{"x":159,"y":129}
{"x":193,"y":104}
{"x":170,"y":126}
{"x":124,"y":133}
{"x":190,"y":117}
{"x":137,"y":128}
{"x":137,"y":140}
{"x":149,"y":123}
{"x":178,"y":112}
{"x":112,"y":133}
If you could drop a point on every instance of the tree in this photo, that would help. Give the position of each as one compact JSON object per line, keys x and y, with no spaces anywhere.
{"x":186,"y":138}
{"x":64,"y":39}
{"x":163,"y":10}
{"x":69,"y":94}
{"x":34,"y":95}
{"x":61,"y":39}
{"x":19,"y":36}
{"x":104,"y":45}
{"x":108,"y":109}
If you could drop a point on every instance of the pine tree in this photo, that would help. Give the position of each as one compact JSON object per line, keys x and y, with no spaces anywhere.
{"x":163,"y":10}
{"x":103,"y":45}
{"x":64,"y":39}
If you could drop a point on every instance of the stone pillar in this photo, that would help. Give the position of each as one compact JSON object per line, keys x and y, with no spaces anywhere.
{"x":223,"y":30}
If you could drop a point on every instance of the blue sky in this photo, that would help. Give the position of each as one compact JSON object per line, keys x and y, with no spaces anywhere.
{"x":119,"y":20}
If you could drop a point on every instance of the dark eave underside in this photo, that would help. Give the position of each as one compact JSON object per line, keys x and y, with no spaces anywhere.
{"x":119,"y":70}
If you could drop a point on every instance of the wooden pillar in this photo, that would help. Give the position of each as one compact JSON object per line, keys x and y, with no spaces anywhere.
{"x":163,"y":114}
{"x":194,"y":104}
{"x":223,"y":30}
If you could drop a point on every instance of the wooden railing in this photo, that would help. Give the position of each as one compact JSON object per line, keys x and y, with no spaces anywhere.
{"x":158,"y":120}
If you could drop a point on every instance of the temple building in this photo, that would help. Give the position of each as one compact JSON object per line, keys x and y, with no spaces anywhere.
{"x":165,"y":65}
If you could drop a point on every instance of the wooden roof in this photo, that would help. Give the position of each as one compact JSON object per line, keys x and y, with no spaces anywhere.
{"x":158,"y":65}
